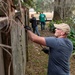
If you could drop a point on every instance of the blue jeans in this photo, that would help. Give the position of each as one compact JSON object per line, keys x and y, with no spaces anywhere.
{"x":36,"y":31}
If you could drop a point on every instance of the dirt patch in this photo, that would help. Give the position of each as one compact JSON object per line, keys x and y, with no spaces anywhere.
{"x":72,"y":65}
{"x":38,"y":61}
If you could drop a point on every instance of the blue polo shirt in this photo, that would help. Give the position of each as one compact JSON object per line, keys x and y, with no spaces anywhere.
{"x":60,"y":52}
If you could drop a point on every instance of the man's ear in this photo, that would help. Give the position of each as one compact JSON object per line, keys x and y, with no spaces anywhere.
{"x":62,"y":33}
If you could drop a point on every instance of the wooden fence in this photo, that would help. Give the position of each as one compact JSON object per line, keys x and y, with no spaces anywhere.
{"x":13,"y":44}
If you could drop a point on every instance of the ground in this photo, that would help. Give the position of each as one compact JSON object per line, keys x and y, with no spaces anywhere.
{"x":38,"y":60}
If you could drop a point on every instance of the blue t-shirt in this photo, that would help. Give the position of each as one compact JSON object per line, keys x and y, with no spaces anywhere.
{"x":60,"y":52}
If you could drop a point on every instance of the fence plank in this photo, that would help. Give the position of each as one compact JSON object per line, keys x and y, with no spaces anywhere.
{"x":18,"y":49}
{"x":1,"y":60}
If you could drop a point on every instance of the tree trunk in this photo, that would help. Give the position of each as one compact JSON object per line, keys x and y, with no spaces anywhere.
{"x":62,"y":9}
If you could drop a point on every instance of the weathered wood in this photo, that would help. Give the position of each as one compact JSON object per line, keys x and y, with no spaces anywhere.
{"x":23,"y":42}
{"x":18,"y":41}
{"x":1,"y":60}
{"x":3,"y":22}
{"x":2,"y":45}
{"x":18,"y":49}
{"x":26,"y":15}
{"x":6,"y":51}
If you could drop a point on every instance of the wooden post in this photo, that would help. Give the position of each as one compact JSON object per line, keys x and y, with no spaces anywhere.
{"x":18,"y":44}
{"x":26,"y":23}
{"x":18,"y":49}
{"x":1,"y":60}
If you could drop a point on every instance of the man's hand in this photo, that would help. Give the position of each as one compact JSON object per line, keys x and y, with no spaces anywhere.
{"x":27,"y":27}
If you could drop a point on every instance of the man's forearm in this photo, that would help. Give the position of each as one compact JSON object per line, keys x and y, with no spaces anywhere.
{"x":37,"y":39}
{"x":31,"y":35}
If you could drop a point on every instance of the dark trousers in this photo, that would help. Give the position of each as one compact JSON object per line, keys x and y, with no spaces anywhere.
{"x":42,"y":25}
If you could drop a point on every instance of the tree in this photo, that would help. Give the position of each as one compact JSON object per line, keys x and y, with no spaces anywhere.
{"x":63,"y":9}
{"x":42,"y":5}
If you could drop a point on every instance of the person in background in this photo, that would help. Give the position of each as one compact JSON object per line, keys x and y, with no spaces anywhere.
{"x":42,"y":18}
{"x":60,"y":49}
{"x":33,"y":22}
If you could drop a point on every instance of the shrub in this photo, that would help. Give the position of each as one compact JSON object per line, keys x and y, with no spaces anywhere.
{"x":51,"y":25}
{"x":71,"y":36}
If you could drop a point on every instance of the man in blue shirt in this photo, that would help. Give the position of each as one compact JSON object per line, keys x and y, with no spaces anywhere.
{"x":60,"y":49}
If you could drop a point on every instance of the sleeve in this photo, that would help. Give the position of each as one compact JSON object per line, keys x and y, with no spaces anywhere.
{"x":51,"y":42}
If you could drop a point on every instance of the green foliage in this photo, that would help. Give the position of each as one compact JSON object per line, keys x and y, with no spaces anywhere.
{"x":58,"y":21}
{"x":43,"y":5}
{"x":38,"y":5}
{"x":69,"y":21}
{"x":51,"y":25}
{"x":71,"y":36}
{"x":28,"y":3}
